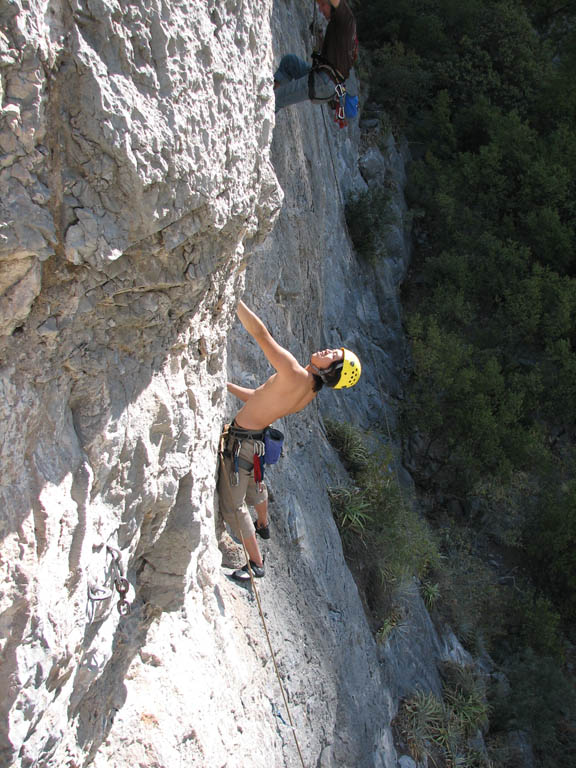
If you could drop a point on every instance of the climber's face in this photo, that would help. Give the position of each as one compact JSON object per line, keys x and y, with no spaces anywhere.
{"x":325,"y":357}
{"x":325,"y":8}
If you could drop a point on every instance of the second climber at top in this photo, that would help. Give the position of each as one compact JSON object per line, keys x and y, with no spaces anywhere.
{"x":324,"y":80}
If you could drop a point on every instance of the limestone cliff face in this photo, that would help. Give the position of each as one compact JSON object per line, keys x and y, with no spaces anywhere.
{"x":144,"y":187}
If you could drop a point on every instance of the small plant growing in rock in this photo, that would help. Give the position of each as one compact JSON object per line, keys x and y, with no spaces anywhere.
{"x":465,"y":695}
{"x":420,"y":720}
{"x":390,"y":623}
{"x":350,"y":508}
{"x":440,"y":729}
{"x":349,"y":443}
{"x":430,"y":592}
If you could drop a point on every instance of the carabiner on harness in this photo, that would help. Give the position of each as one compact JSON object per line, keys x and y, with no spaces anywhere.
{"x":235,"y":476}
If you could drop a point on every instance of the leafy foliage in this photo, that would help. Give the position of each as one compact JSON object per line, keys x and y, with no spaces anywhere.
{"x":378,"y":524}
{"x":430,"y":592}
{"x":486,"y":92}
{"x":473,"y":601}
{"x":369,"y":217}
{"x":351,"y":508}
{"x":551,"y":545}
{"x":539,"y":701}
{"x":349,"y":443}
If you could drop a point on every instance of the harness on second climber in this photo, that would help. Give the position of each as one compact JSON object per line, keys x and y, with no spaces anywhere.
{"x":344,"y":105}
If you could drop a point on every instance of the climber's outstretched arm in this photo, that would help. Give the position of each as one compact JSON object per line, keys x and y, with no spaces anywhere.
{"x":242,"y":393}
{"x":276,"y":355}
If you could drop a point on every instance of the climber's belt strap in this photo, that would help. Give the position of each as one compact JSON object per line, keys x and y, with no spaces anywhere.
{"x":319,"y":63}
{"x":245,"y":434}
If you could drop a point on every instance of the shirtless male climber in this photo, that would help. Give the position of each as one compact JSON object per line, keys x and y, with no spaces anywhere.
{"x":332,"y":65}
{"x":289,"y":390}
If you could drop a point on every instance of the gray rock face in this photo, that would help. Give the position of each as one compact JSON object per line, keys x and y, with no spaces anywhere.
{"x":138,"y":202}
{"x":131,"y":175}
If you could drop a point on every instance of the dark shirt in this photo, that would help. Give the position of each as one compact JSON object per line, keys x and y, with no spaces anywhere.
{"x":340,"y":39}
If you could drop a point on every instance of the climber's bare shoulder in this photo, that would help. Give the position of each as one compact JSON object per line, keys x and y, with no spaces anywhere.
{"x":285,"y":392}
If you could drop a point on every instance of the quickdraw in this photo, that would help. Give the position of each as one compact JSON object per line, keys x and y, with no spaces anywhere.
{"x":121,"y":583}
{"x":259,"y":463}
{"x":340,"y":89}
{"x":235,"y":479}
{"x":96,"y":594}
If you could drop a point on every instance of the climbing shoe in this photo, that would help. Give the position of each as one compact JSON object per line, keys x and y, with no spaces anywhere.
{"x":263,"y":531}
{"x":243,"y":574}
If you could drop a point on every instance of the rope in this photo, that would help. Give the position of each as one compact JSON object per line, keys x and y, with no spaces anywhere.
{"x":331,"y":157}
{"x":314,"y":23}
{"x":362,"y":302}
{"x":314,"y":35}
{"x":272,"y":654}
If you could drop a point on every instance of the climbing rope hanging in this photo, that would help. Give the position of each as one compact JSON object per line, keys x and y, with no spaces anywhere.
{"x":314,"y":31}
{"x":259,"y":604}
{"x":272,"y":654}
{"x":331,"y":156}
{"x":314,"y":28}
{"x":314,"y":25}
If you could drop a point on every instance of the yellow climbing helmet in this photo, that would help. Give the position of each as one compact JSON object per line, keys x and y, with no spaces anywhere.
{"x":350,"y":371}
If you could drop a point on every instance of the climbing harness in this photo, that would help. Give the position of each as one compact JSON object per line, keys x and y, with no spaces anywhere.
{"x":344,"y":105}
{"x":267,"y":450}
{"x":120,"y":581}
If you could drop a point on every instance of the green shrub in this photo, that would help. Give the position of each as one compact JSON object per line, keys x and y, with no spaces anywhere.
{"x":420,"y":719}
{"x":550,"y":540}
{"x":533,"y":622}
{"x":369,"y":218}
{"x":474,"y":602}
{"x":465,"y":694}
{"x":385,"y":539}
{"x":351,"y":508}
{"x":541,"y":701}
{"x":430,"y":592}
{"x":393,"y":621}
